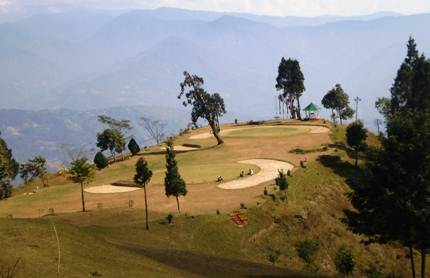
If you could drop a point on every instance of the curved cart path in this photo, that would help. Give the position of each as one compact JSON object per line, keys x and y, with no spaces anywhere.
{"x":313,"y":129}
{"x":269,"y":171}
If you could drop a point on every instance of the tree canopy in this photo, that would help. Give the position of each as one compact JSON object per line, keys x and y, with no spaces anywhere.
{"x":206,"y":106}
{"x":290,"y":80}
{"x":112,"y":140}
{"x":34,"y":168}
{"x":356,"y":136}
{"x":82,"y":172}
{"x":8,"y":170}
{"x":392,"y":203}
{"x":338,"y":101}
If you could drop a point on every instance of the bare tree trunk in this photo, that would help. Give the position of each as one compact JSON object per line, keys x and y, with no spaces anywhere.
{"x":299,"y":114}
{"x":82,"y":197}
{"x":356,"y":158}
{"x":177,"y":203}
{"x":423,"y":263}
{"x":216,"y":133}
{"x":411,"y":255}
{"x":146,"y":208}
{"x":340,"y":118}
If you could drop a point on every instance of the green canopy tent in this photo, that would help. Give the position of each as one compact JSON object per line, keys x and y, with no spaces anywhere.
{"x":312,"y":111}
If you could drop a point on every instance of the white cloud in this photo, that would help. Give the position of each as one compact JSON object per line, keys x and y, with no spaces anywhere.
{"x":273,"y":7}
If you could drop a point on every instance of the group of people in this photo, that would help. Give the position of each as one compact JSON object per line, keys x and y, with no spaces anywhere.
{"x":250,"y":173}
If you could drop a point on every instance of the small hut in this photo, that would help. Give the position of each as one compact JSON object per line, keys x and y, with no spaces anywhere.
{"x":312,"y":112}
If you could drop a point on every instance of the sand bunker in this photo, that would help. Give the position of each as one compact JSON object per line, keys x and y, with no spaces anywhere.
{"x":269,"y":171}
{"x":182,"y":148}
{"x":310,"y":128}
{"x":104,"y":189}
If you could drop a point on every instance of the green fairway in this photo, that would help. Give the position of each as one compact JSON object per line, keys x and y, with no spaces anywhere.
{"x":265,"y":131}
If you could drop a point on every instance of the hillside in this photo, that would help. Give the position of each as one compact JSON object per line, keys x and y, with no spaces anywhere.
{"x":200,"y":242}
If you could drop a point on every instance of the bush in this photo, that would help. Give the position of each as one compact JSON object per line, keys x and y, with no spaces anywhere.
{"x":281,"y":180}
{"x":289,"y":173}
{"x":101,"y":161}
{"x":273,"y":256}
{"x":344,"y":261}
{"x":302,"y":164}
{"x":218,"y":212}
{"x":307,"y":250}
{"x":242,"y":206}
{"x":133,"y":147}
{"x":265,"y":192}
{"x":170,"y":218}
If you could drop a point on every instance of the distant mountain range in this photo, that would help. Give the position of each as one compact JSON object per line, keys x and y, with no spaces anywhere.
{"x":93,"y":61}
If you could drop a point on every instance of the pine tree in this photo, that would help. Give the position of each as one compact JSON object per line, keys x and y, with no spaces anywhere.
{"x":133,"y":147}
{"x":8,"y":170}
{"x":142,"y":177}
{"x":101,"y":161}
{"x":174,"y":184}
{"x":392,"y":203}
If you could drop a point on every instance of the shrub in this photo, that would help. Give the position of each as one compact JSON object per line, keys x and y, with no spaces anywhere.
{"x":133,"y":147}
{"x":273,"y":256}
{"x":289,"y":173}
{"x":307,"y":250}
{"x":344,"y":261}
{"x":302,"y":164}
{"x":242,"y":206}
{"x":101,"y":161}
{"x":218,"y":212}
{"x":281,"y":180}
{"x":265,"y":192}
{"x":170,"y":218}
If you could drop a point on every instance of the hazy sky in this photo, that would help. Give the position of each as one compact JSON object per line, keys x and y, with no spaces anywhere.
{"x":271,"y":7}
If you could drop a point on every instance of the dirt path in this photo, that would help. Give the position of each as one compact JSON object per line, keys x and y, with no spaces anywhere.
{"x":269,"y":171}
{"x":105,"y":189}
{"x":310,"y":128}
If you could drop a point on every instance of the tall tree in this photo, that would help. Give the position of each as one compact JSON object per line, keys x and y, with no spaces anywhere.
{"x":206,"y":106}
{"x":291,"y":81}
{"x":154,"y":128}
{"x":35,"y":168}
{"x":393,"y":201}
{"x":142,"y":177}
{"x":8,"y":170}
{"x":173,"y":182}
{"x":338,"y":101}
{"x":82,"y":172}
{"x":356,"y":136}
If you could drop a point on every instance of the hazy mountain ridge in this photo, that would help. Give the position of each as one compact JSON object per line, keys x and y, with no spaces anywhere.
{"x":85,"y":62}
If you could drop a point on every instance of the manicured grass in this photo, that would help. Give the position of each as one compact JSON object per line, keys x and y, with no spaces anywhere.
{"x":265,"y":131}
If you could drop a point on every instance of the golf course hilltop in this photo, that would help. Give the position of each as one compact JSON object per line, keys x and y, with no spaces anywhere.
{"x":229,"y":225}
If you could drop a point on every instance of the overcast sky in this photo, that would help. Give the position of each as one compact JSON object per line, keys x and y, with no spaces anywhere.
{"x":270,"y":7}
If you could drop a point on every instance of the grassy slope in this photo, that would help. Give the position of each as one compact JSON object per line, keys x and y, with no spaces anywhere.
{"x":193,"y":243}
